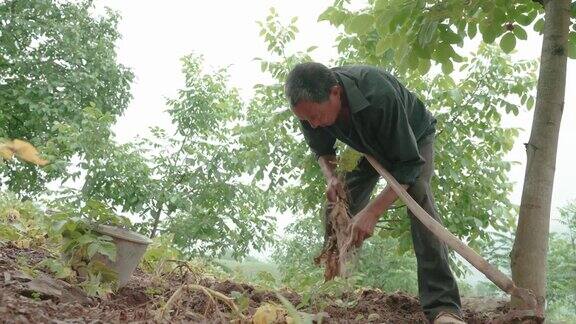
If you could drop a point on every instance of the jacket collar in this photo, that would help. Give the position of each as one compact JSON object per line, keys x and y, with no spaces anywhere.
{"x":356,"y":99}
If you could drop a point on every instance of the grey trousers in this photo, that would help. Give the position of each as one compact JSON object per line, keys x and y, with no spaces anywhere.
{"x":437,"y":287}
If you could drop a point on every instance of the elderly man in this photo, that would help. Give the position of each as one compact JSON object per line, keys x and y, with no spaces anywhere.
{"x":371,"y":111}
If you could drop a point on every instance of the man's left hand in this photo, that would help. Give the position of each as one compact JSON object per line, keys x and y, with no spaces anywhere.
{"x":362,"y":227}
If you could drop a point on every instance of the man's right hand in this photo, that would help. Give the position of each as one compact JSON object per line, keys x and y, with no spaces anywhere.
{"x":334,"y":189}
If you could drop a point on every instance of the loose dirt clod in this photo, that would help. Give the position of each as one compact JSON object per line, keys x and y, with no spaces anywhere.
{"x":337,"y":253}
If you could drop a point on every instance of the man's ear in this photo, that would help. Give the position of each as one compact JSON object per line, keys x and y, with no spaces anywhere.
{"x":336,"y":91}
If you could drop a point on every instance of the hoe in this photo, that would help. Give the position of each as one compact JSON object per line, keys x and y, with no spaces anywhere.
{"x":535,"y":307}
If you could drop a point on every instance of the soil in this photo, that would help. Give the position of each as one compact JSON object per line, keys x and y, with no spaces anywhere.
{"x":145,"y":297}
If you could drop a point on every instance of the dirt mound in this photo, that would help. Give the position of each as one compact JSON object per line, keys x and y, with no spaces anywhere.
{"x":205,"y":299}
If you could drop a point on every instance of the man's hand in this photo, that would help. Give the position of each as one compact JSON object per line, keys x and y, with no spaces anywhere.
{"x":362,"y":227}
{"x":334,"y":189}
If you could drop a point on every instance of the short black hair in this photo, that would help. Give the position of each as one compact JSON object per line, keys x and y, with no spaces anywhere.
{"x":309,"y":81}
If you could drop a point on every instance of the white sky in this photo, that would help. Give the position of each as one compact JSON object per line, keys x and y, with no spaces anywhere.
{"x":156,"y":34}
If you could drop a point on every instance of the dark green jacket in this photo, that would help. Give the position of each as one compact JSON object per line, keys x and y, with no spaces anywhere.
{"x":387,"y":121}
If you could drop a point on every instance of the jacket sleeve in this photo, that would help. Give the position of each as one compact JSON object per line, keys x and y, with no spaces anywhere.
{"x":319,"y":140}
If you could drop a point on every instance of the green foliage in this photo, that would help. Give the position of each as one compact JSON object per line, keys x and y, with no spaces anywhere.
{"x":471,"y":185}
{"x":561,"y":273}
{"x":323,"y":294}
{"x":253,"y":271}
{"x":296,"y":316}
{"x":561,"y":277}
{"x":58,"y":267}
{"x":84,"y":250}
{"x":67,"y":231}
{"x":21,"y":222}
{"x":100,"y":281}
{"x":410,"y":35}
{"x":379,"y":265}
{"x":160,"y":255}
{"x":210,"y":208}
{"x":296,"y":252}
{"x":188,"y":183}
{"x":57,"y":58}
{"x":272,"y":148}
{"x":115,"y":174}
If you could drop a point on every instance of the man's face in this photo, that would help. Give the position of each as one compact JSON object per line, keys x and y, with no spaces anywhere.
{"x":320,"y":114}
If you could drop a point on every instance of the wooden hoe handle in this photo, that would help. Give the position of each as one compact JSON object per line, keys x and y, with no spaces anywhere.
{"x":491,"y":272}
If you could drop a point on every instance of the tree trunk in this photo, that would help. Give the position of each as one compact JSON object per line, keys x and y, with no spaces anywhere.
{"x":528,"y":258}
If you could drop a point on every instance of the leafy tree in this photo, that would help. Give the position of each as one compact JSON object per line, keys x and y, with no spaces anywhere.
{"x":561,"y":275}
{"x":412,"y":34}
{"x":57,"y":58}
{"x":187,"y":183}
{"x":215,"y":210}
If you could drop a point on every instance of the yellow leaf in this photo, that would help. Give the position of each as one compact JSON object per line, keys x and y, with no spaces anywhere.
{"x":268,"y":314}
{"x":27,"y":152}
{"x":23,"y":244}
{"x":12,"y":215}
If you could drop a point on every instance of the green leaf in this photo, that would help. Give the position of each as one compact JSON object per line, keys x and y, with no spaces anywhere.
{"x":381,"y":46}
{"x":572,"y":45}
{"x":332,"y":15}
{"x":478,"y":223}
{"x":59,"y":226}
{"x":92,"y":249}
{"x":447,"y":67}
{"x":520,"y":32}
{"x":450,"y":37}
{"x":8,"y":233}
{"x":86,"y":238}
{"x":381,"y":5}
{"x":508,"y":42}
{"x":424,"y":53}
{"x":444,"y":52}
{"x":70,"y":226}
{"x":427,"y":33}
{"x":60,"y":270}
{"x":489,"y":31}
{"x":411,"y":60}
{"x":539,"y":25}
{"x":103,"y":270}
{"x":360,"y":24}
{"x":530,"y":102}
{"x":524,"y":20}
{"x":424,"y":66}
{"x":456,"y":95}
{"x":472,"y":30}
{"x":498,"y":16}
{"x":108,"y":249}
